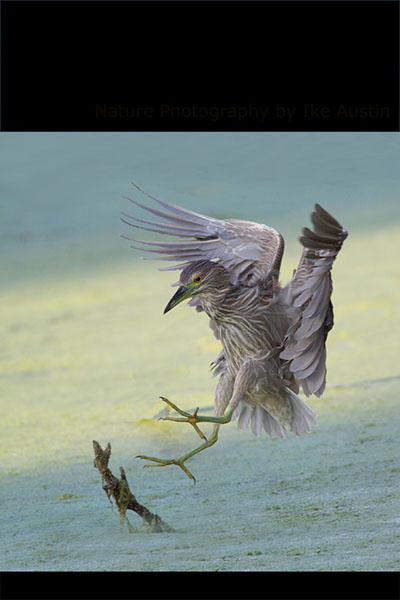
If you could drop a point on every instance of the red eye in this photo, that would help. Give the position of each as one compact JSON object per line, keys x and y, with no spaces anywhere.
{"x":197,"y":279}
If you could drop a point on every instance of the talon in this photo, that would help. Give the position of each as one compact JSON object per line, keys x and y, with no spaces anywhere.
{"x":198,"y":431}
{"x":180,"y":464}
{"x":158,"y":460}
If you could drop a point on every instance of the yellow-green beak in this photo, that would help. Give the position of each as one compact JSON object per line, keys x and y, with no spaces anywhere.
{"x":181,"y":294}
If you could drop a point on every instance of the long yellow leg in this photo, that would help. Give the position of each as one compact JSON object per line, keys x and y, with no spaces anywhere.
{"x":228,"y":393}
{"x":193,"y":420}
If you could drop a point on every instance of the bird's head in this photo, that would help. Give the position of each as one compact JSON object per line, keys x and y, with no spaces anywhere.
{"x":199,"y":278}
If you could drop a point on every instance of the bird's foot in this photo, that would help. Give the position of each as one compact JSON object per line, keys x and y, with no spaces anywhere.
{"x":159,"y":462}
{"x":179,"y":462}
{"x":193,"y":419}
{"x":187,"y":418}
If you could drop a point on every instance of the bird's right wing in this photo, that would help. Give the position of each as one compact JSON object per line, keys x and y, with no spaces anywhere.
{"x":309,"y":293}
{"x":250,"y":251}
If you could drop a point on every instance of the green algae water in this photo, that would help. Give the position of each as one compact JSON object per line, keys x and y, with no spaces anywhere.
{"x":86,"y":352}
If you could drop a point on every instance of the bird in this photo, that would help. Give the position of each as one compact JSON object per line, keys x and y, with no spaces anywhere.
{"x":273,"y":337}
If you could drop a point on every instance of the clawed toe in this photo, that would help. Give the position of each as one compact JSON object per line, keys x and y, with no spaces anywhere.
{"x":160,"y":462}
{"x":157,"y":460}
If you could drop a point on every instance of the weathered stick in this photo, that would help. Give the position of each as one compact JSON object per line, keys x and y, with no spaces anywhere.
{"x":120,"y":491}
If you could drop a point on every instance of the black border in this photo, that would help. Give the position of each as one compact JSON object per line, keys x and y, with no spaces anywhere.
{"x":199,"y":585}
{"x":61,"y":59}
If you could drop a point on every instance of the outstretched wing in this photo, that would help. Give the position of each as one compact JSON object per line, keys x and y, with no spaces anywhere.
{"x":251,"y":252}
{"x":310,"y":292}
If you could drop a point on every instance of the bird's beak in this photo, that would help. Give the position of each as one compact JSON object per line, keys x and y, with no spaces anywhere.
{"x":181,"y":294}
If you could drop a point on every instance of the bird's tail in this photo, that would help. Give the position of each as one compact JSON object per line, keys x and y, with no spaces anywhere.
{"x":304,"y":418}
{"x":259,"y":418}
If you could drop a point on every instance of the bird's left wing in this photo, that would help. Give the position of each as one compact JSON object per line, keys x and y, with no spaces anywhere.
{"x":251,"y":252}
{"x":309,"y":295}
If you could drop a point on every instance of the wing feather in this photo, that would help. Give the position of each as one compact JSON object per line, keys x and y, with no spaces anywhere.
{"x":310,"y":292}
{"x":250,"y":251}
{"x":165,"y":215}
{"x":158,"y":227}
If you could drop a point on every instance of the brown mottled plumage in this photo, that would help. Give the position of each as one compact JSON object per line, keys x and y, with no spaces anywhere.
{"x":273,"y":338}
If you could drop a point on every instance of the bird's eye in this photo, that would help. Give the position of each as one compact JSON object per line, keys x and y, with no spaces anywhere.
{"x":197,"y":279}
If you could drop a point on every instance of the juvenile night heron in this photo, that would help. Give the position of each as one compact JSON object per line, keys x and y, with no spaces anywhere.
{"x":273,"y":338}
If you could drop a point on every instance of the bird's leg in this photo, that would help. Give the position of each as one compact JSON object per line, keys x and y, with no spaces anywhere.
{"x":180,"y":462}
{"x":228,"y":393}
